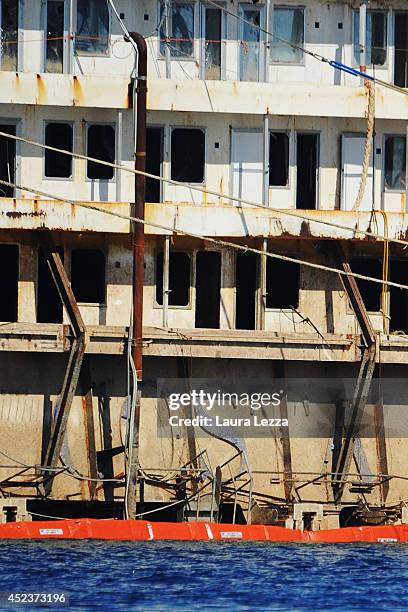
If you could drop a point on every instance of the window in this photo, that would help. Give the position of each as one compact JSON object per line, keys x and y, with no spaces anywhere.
{"x":49,"y":305}
{"x":58,"y":135}
{"x":55,"y":36}
{"x":88,"y":275}
{"x":288,"y":25}
{"x":187,"y":155}
{"x":282,"y":284}
{"x":101,"y":145}
{"x":395,"y":161}
{"x":181,"y":30}
{"x":9,"y":34}
{"x":92,"y":35}
{"x":179,"y":279}
{"x":212,"y":25}
{"x":9,"y":273}
{"x":7,"y":160}
{"x":278,"y":159}
{"x":401,"y":50}
{"x":376,"y":38}
{"x":370,"y":292}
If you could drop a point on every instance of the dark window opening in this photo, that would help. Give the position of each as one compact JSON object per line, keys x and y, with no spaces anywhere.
{"x":282,"y":284}
{"x":306,"y":173}
{"x":278,"y":159}
{"x":9,"y":270}
{"x":395,"y":162}
{"x":60,"y":136}
{"x":212,"y":48}
{"x":376,"y":38}
{"x":401,"y":50}
{"x":55,"y":36}
{"x":92,"y":35}
{"x":370,"y":292}
{"x":101,"y":145}
{"x":7,"y":160}
{"x":187,"y":155}
{"x":154,"y":159}
{"x":246,"y":284}
{"x":88,"y":275}
{"x":398,"y":297}
{"x":179,"y":279}
{"x":181,"y":30}
{"x":208,"y":289}
{"x":9,"y":35}
{"x":49,"y":305}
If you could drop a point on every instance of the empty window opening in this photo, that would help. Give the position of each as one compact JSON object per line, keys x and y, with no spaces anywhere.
{"x":9,"y":283}
{"x":401,"y":50}
{"x":60,"y":136}
{"x":55,"y":36}
{"x":92,"y":35}
{"x":212,"y":43}
{"x":7,"y":160}
{"x":9,"y":35}
{"x":288,"y":25}
{"x":180,"y":28}
{"x":376,"y":38}
{"x":187,"y":155}
{"x":246,"y":283}
{"x":208,"y":289}
{"x":278,"y":159}
{"x":179,"y":279}
{"x":282,"y":284}
{"x":88,"y":275}
{"x":395,"y":162}
{"x":250,"y":44}
{"x":49,"y":305}
{"x":398,"y":298}
{"x":370,"y":292}
{"x":154,"y":160}
{"x":306,"y":173}
{"x":101,"y":145}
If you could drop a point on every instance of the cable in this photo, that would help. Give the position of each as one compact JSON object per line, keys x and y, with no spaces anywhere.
{"x":281,"y":211}
{"x":217,"y":241}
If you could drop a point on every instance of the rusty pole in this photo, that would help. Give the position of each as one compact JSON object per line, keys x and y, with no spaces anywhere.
{"x":138,"y":261}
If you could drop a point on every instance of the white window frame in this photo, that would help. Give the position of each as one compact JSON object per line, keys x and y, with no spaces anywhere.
{"x":196,"y":33}
{"x":262,"y":16}
{"x":190,"y":127}
{"x":204,"y":7}
{"x":388,"y":42}
{"x":80,"y":52}
{"x":279,"y":62}
{"x":388,"y":189}
{"x":17,"y":166}
{"x":67,"y":46}
{"x":20,"y":26}
{"x":59,"y":178}
{"x":89,"y":124}
{"x":192,"y":258}
{"x":289,"y":134}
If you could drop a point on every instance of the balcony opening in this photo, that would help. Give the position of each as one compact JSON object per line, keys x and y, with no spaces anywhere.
{"x":154,"y":161}
{"x":212,"y":43}
{"x":9,"y":270}
{"x":278,"y":159}
{"x":306,"y":171}
{"x":9,"y":35}
{"x":282,"y":284}
{"x":101,"y":145}
{"x":55,"y":36}
{"x":179,"y":279}
{"x":49,"y":305}
{"x":401,"y":50}
{"x":187,"y":155}
{"x":7,"y":160}
{"x":208,"y":289}
{"x":395,"y":162}
{"x":398,"y":297}
{"x":60,"y":136}
{"x":88,"y":275}
{"x":92,"y":35}
{"x":246,"y":283}
{"x":370,"y":292}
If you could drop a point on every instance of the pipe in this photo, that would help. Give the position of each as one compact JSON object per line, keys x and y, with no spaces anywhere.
{"x":362,"y":36}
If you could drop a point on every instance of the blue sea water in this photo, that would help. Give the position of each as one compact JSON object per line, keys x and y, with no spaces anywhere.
{"x":209,"y":575}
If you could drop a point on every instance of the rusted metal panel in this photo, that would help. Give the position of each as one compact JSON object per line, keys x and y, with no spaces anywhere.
{"x":87,"y":405}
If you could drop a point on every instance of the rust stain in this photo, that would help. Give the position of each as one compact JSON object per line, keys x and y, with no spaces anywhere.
{"x":403,"y":202}
{"x":18,"y":214}
{"x":41,"y":90}
{"x":78,"y":97}
{"x":35,"y":205}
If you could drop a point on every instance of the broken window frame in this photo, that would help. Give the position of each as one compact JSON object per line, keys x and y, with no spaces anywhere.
{"x":14,"y":36}
{"x":80,"y":45}
{"x":58,"y":178}
{"x":192,"y":262}
{"x":203,"y":64}
{"x":114,"y":170}
{"x":281,"y":49}
{"x":369,"y":47}
{"x":387,"y":188}
{"x":187,"y":127}
{"x":105,"y":261}
{"x":270,"y":262}
{"x":289,"y":155}
{"x":175,"y":52}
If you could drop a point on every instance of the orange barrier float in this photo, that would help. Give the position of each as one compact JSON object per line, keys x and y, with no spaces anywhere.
{"x":110,"y":529}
